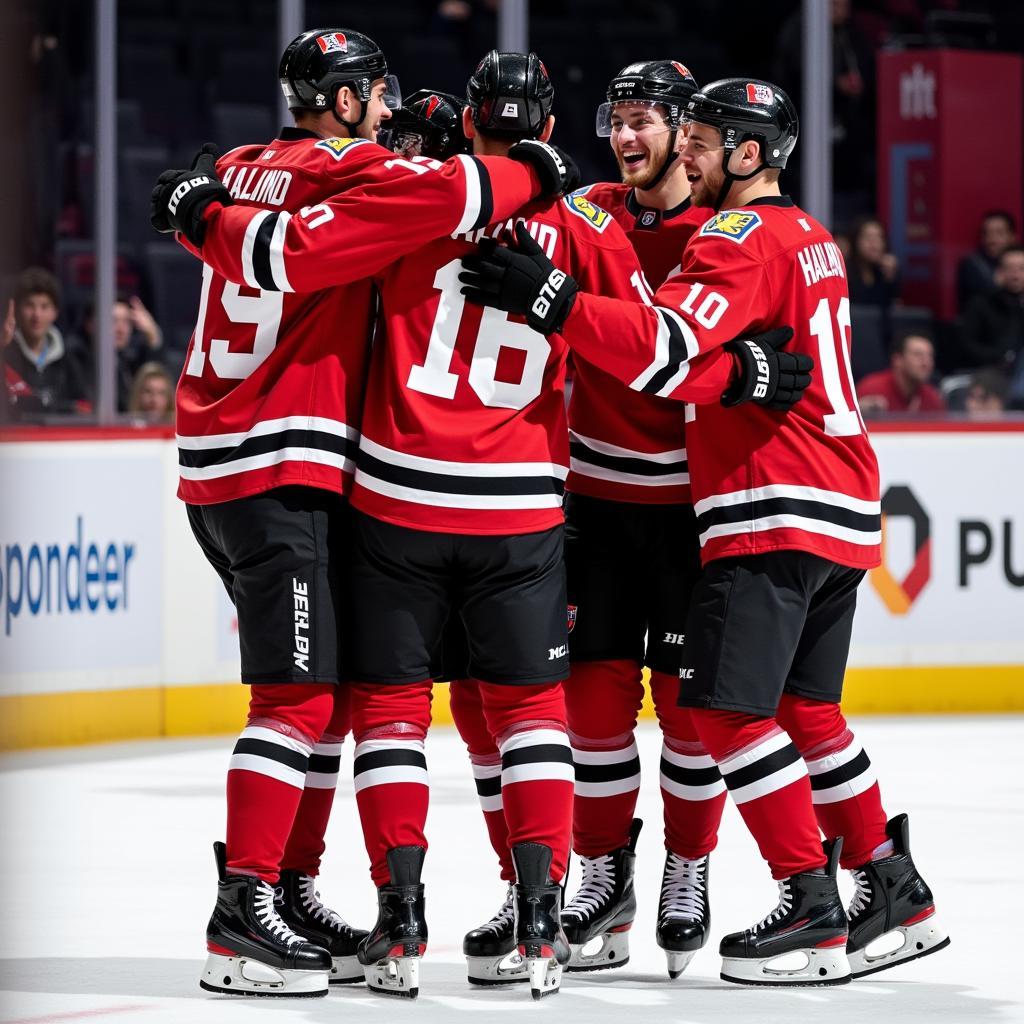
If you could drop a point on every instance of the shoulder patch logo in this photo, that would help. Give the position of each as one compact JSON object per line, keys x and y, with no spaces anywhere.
{"x":732,"y":224}
{"x":578,"y":203}
{"x":338,"y":147}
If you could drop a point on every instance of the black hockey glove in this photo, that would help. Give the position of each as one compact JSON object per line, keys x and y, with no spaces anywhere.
{"x":519,"y":280}
{"x":180,"y":198}
{"x":557,"y":170}
{"x":768,"y":376}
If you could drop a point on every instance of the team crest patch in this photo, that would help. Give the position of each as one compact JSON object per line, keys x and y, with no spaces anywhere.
{"x":758,"y":92}
{"x":333,"y":42}
{"x":338,"y":147}
{"x":579,"y":204}
{"x":572,"y":609}
{"x":732,"y":224}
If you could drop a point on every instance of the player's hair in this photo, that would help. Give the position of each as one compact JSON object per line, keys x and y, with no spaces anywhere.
{"x":899,"y":343}
{"x":1010,"y":249}
{"x":36,"y":281}
{"x":1003,"y":215}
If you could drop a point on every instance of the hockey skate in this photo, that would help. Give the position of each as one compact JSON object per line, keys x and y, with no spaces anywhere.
{"x":891,"y":899}
{"x":603,"y":909}
{"x":491,"y":954}
{"x":391,"y":953}
{"x":251,"y":950}
{"x":802,"y":941}
{"x":303,"y":912}
{"x":684,"y":914}
{"x":538,"y":904}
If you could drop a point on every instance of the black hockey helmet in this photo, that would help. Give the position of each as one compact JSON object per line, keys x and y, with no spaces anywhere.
{"x":742,"y":109}
{"x":429,"y":124}
{"x":316,"y":64}
{"x":510,"y":95}
{"x":665,"y":82}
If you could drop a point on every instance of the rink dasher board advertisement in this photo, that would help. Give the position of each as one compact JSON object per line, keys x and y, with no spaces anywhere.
{"x":951,"y":588}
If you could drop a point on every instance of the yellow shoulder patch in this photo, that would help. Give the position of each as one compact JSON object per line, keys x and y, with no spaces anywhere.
{"x":578,"y":203}
{"x":338,"y":147}
{"x":732,"y":224}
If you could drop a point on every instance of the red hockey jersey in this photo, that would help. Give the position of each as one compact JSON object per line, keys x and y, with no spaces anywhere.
{"x":465,"y":426}
{"x":762,"y":480}
{"x":626,"y":445}
{"x":271,"y":392}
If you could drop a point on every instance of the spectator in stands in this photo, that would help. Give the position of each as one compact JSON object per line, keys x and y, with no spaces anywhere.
{"x":976,"y":274}
{"x":905,"y":386}
{"x":152,"y":397}
{"x":986,"y":394}
{"x":40,"y":374}
{"x":137,"y":340}
{"x":874,"y":271}
{"x":993,"y":324}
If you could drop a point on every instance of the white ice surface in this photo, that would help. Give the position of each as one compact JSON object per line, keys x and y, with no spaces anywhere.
{"x":107,"y":880}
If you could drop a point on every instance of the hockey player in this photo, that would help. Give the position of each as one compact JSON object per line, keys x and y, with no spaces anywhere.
{"x":632,"y":558}
{"x":428,"y":124}
{"x":267,"y":414}
{"x":789,"y":520}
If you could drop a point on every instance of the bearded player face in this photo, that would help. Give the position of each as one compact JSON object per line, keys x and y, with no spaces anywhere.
{"x":640,"y":138}
{"x":702,"y":158}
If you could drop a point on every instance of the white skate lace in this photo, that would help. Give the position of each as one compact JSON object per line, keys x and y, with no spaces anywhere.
{"x":596,"y":888}
{"x":503,"y":918}
{"x":682,"y":888}
{"x":785,"y":905}
{"x":311,"y":901}
{"x":862,"y":894}
{"x":267,"y":915}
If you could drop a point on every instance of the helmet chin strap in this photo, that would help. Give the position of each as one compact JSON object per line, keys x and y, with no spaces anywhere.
{"x":669,"y":160}
{"x":349,"y":126}
{"x":730,"y":177}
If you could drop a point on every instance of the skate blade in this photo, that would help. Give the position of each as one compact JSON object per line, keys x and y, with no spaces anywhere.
{"x":827,"y":966}
{"x":613,"y":951}
{"x":509,"y":969}
{"x":545,"y":975}
{"x":678,"y":962}
{"x":242,"y":976}
{"x":919,"y":939}
{"x":394,"y":976}
{"x":347,"y":970}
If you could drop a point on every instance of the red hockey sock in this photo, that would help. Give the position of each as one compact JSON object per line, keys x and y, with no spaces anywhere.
{"x":602,"y":699}
{"x":846,"y":796}
{"x":267,"y":773}
{"x":390,"y":723}
{"x":484,"y":756}
{"x":768,"y":781}
{"x":692,"y":789}
{"x":305,"y":845}
{"x":528,"y":723}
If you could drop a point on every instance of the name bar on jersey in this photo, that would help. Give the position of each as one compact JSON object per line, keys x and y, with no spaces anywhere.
{"x":788,"y":506}
{"x":471,"y":485}
{"x":269,"y":443}
{"x":604,"y":461}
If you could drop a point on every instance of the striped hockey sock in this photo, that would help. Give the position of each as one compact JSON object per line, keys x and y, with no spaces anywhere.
{"x":487,"y":776}
{"x":768,"y":781}
{"x":607,"y":786}
{"x":306,"y":844}
{"x":693,"y":792}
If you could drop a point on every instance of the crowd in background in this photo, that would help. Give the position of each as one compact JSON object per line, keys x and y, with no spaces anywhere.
{"x":191,"y":70}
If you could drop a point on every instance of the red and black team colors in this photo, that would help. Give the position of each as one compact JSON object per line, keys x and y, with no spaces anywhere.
{"x":788,"y":517}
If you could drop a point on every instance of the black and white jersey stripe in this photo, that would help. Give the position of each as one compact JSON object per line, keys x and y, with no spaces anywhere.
{"x":487,"y":778}
{"x":788,"y":506}
{"x":763,"y":768}
{"x":271,"y":753}
{"x":381,"y":762}
{"x":674,"y":345}
{"x":536,"y":755}
{"x":841,"y":775}
{"x":603,"y":461}
{"x":324,"y":766}
{"x":482,"y":485}
{"x":269,"y":443}
{"x":606,"y":772}
{"x":263,"y":260}
{"x":690,"y":776}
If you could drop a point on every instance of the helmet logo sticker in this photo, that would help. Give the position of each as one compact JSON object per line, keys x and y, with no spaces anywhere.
{"x":432,"y":104}
{"x":758,"y":92}
{"x":510,"y":110}
{"x":333,"y":42}
{"x":320,"y":99}
{"x":681,"y":68}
